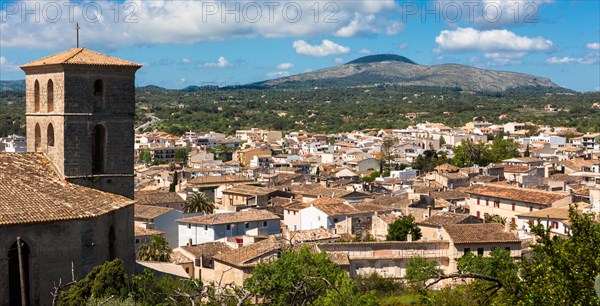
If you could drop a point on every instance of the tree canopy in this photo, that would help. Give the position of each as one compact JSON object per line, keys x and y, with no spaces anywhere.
{"x":199,"y":203}
{"x":157,"y":250}
{"x":399,"y":230}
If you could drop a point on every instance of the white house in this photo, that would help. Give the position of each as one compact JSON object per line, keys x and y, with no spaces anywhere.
{"x":227,"y":225}
{"x":160,"y":219}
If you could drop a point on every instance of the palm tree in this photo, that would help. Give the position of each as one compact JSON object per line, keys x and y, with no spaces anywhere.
{"x":157,"y":250}
{"x":199,"y":203}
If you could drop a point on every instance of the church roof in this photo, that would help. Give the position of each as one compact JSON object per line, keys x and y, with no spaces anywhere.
{"x":32,"y":192}
{"x":80,"y":56}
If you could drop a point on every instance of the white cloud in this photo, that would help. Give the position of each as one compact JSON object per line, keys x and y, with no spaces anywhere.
{"x":143,"y":23}
{"x":278,"y":74}
{"x":504,"y":58}
{"x":220,"y":63}
{"x":7,"y":66}
{"x":186,"y":60}
{"x":338,"y":60}
{"x":369,"y":24}
{"x":504,"y":55}
{"x":285,"y":66}
{"x":593,"y":46}
{"x":589,"y":59}
{"x":469,"y":39}
{"x":404,"y":45}
{"x":327,"y":47}
{"x":490,"y":14}
{"x":365,"y":51}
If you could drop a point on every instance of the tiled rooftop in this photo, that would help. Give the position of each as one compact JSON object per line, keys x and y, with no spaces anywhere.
{"x":445,"y":218}
{"x":141,"y":232}
{"x":479,"y":233}
{"x":80,"y":56}
{"x":246,"y":256}
{"x":227,"y":218}
{"x":208,"y":249}
{"x":30,"y":191}
{"x":249,"y":190}
{"x":156,"y":198}
{"x":517,"y":194}
{"x":149,"y":211}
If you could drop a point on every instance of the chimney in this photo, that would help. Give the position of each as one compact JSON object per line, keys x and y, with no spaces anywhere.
{"x":190,"y":242}
{"x":409,"y":237}
{"x":507,"y":226}
{"x":428,"y":212}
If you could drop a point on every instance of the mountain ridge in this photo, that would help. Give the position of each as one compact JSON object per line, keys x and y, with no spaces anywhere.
{"x":382,"y":70}
{"x":392,"y":69}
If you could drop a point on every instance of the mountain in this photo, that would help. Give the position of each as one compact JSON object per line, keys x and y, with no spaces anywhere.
{"x":384,"y":69}
{"x":391,"y":69}
{"x":12,"y":85}
{"x":382,"y":58}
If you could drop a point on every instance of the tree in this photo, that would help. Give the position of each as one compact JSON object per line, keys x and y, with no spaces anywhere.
{"x":199,"y":203}
{"x":531,"y":130}
{"x":157,"y":250}
{"x":181,"y":155}
{"x":502,"y":149}
{"x":403,"y":226}
{"x":559,"y":271}
{"x":526,"y":153}
{"x":295,"y":278}
{"x":103,"y":281}
{"x":146,"y":156}
{"x":387,"y":153}
{"x":468,"y":153}
{"x":563,"y":270}
{"x":495,"y":219}
{"x":442,"y":141}
{"x":173,"y":185}
{"x":419,"y":270}
{"x":427,"y":161}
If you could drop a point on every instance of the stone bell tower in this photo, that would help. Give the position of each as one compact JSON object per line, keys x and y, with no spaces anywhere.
{"x":80,"y":108}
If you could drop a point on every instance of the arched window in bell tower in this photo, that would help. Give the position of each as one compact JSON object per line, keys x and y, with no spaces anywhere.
{"x":98,"y":95}
{"x":38,"y":138}
{"x":98,"y":149}
{"x":50,"y":135}
{"x":50,"y":98}
{"x":36,"y":97}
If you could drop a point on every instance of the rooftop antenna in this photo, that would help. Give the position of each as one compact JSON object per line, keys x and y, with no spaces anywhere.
{"x":77,"y":28}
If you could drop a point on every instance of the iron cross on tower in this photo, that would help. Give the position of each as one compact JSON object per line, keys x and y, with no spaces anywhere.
{"x":77,"y":33}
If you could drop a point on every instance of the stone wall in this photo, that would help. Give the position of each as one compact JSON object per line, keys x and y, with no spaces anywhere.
{"x":55,"y":246}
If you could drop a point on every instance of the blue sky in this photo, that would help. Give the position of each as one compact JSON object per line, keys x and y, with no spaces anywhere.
{"x":185,"y":43}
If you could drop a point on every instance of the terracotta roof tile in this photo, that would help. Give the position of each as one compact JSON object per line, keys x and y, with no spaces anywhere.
{"x":247,"y":256}
{"x":149,"y":211}
{"x":32,"y":192}
{"x":250,"y":190}
{"x":388,"y":218}
{"x":445,"y":218}
{"x":517,"y":194}
{"x":561,"y":213}
{"x":310,"y":235}
{"x":218,"y":180}
{"x":80,"y":56}
{"x":208,"y":249}
{"x":156,"y":198}
{"x":141,"y":232}
{"x":479,"y":233}
{"x":226,"y":218}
